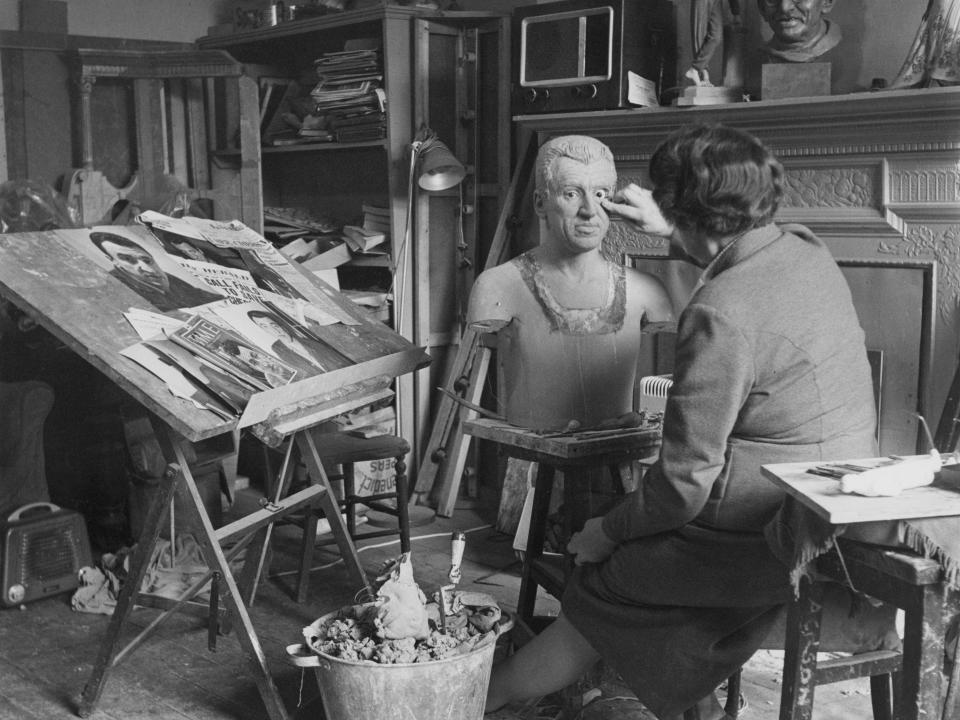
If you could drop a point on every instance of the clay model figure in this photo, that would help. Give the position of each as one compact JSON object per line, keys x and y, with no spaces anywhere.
{"x":801,"y":31}
{"x":706,"y":25}
{"x":569,"y":321}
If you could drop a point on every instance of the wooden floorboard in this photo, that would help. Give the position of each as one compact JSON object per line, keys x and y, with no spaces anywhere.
{"x":47,"y":650}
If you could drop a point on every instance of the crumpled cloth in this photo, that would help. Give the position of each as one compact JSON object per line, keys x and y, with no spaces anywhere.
{"x":798,"y":537}
{"x":170,"y":572}
{"x":98,"y":591}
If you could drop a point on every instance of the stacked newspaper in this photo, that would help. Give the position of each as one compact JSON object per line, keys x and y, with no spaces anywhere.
{"x":261,"y":329}
{"x":350,"y":95}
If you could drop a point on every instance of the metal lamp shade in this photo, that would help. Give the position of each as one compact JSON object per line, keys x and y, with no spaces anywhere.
{"x":439,"y":169}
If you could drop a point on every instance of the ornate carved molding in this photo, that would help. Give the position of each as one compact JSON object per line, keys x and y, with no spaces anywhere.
{"x":868,"y":123}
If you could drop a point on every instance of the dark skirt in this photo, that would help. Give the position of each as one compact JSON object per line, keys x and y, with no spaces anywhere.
{"x":677,"y":613}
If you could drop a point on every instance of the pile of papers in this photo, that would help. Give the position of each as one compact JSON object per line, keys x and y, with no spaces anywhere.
{"x":265,"y":330}
{"x":349,"y":95}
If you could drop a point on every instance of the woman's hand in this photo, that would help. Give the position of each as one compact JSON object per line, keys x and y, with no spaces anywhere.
{"x":592,"y":544}
{"x":636,"y":205}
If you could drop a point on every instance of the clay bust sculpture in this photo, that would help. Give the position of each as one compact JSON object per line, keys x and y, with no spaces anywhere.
{"x":569,"y":320}
{"x":801,"y":31}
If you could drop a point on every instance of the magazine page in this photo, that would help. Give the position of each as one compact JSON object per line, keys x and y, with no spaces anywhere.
{"x":132,"y":255}
{"x":271,"y":332}
{"x":235,"y":245}
{"x":233,"y":353}
{"x":179,"y":384}
{"x":237,"y":285}
{"x":224,"y":386}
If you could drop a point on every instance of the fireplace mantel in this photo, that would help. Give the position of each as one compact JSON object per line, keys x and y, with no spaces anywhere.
{"x":870,"y":122}
{"x":877,"y":176}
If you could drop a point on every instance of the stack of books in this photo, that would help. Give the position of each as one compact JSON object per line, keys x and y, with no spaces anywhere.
{"x":372,"y":236}
{"x":350,"y":96}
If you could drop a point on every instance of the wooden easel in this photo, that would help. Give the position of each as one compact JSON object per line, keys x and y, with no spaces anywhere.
{"x":81,"y":305}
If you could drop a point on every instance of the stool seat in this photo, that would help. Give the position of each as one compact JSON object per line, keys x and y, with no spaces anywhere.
{"x":339,"y":448}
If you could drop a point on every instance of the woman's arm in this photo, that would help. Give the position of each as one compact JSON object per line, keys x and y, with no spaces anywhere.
{"x":712,"y":380}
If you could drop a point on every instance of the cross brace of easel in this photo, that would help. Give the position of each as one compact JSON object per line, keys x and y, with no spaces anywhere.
{"x":444,"y":457}
{"x":251,"y":532}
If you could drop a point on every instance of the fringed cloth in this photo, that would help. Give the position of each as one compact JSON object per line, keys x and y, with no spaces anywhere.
{"x":608,"y":318}
{"x":798,"y":537}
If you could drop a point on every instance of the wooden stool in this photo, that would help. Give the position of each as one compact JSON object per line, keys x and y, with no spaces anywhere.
{"x":900,"y":578}
{"x":566,"y":453}
{"x":346,"y":450}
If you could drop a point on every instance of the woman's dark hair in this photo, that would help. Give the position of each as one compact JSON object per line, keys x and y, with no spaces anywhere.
{"x":716,"y":180}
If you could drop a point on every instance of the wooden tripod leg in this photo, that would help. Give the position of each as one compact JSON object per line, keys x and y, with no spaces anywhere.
{"x":459,"y":446}
{"x":198,"y":521}
{"x":159,"y":509}
{"x":259,"y":553}
{"x":331,"y":508}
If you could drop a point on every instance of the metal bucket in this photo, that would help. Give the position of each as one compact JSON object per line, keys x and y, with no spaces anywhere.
{"x":455,"y":687}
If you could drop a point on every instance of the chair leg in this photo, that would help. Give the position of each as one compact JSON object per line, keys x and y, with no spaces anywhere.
{"x":403,"y":497}
{"x":349,"y":498}
{"x":800,"y":652}
{"x":732,"y":705}
{"x":881,"y":697}
{"x":306,"y":553}
{"x":923,"y":647}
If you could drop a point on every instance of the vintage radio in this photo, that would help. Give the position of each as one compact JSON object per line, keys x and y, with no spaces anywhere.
{"x":43,"y":548}
{"x":576,"y":54}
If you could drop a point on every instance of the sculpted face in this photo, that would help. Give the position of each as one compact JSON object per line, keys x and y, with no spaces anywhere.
{"x":795,"y":22}
{"x":571,"y":206}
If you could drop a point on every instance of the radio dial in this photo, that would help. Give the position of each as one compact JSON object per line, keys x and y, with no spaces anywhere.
{"x":585,"y":92}
{"x":531,"y":95}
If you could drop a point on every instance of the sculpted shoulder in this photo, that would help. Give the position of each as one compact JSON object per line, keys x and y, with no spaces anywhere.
{"x":492,"y":300}
{"x":648,"y":292}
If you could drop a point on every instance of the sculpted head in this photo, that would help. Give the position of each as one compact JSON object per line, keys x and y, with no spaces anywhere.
{"x":574,"y":172}
{"x":800,"y":27}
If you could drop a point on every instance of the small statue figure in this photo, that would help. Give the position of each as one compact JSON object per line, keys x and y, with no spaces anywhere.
{"x":934,"y":57}
{"x":801,"y":32}
{"x":707,"y":26}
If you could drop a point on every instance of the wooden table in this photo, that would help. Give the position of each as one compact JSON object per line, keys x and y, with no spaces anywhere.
{"x":565,"y":452}
{"x":823,"y":496}
{"x":899,"y":577}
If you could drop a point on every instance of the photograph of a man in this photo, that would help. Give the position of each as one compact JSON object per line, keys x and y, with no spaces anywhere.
{"x":286,"y":345}
{"x":136,"y":268}
{"x":267,"y":370}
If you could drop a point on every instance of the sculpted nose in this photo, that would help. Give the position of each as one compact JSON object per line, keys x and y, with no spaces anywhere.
{"x":590,"y":206}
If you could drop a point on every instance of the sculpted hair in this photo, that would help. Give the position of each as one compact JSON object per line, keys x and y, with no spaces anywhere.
{"x":716,"y":180}
{"x":581,"y":148}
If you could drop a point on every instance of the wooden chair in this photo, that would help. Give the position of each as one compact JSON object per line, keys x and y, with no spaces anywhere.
{"x":346,"y":451}
{"x":185,"y":104}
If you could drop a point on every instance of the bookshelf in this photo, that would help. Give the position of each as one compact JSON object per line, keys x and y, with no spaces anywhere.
{"x":446,"y":70}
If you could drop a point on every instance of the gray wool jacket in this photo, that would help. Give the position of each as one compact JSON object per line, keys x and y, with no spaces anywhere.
{"x":771,"y":367}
